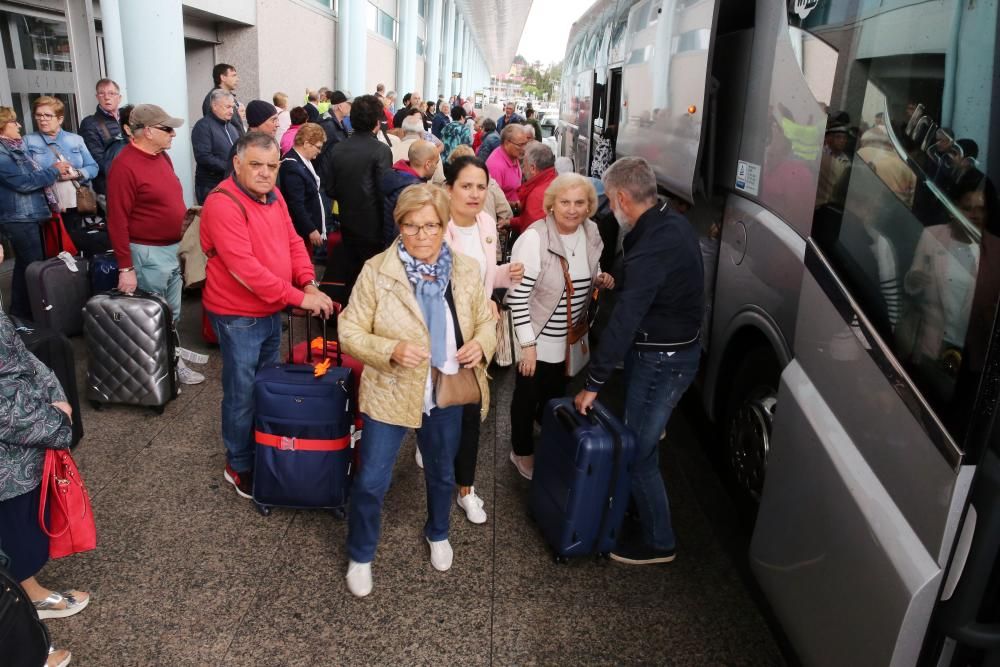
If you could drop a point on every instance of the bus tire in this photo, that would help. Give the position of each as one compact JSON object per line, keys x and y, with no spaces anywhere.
{"x":749,"y":417}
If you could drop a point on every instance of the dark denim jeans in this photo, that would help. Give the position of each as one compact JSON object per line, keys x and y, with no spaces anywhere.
{"x":26,"y":241}
{"x":438,"y":439}
{"x":247,"y":344}
{"x":655,"y":382}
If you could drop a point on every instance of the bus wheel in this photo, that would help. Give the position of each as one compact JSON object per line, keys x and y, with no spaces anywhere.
{"x":749,"y":419}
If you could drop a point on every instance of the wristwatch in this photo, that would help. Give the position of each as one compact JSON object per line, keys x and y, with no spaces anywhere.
{"x":311,"y":282}
{"x":126,"y":269}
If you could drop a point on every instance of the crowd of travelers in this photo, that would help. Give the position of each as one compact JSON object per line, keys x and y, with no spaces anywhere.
{"x":433,"y":218}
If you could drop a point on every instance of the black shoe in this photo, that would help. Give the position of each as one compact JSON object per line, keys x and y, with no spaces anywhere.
{"x":640,"y":554}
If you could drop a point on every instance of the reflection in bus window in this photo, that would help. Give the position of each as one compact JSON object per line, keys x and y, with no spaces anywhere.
{"x":906,"y":209}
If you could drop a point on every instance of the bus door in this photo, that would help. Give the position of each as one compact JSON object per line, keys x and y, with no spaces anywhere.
{"x":883,"y":414}
{"x":664,"y":84}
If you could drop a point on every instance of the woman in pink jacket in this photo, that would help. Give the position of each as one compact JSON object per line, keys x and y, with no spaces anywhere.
{"x":473,"y":233}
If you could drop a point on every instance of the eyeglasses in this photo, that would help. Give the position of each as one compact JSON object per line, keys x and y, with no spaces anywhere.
{"x":520,"y":144}
{"x":318,"y":147}
{"x":168,"y":130}
{"x":45,"y":116}
{"x":432,"y":228}
{"x":108,"y":94}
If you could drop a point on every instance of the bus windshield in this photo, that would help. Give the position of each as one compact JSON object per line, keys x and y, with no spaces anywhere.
{"x":906,"y":208}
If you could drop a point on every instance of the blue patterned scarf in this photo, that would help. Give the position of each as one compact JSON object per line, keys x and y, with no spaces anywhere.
{"x":430,"y":296}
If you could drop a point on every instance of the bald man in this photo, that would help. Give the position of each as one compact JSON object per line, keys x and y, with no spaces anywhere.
{"x":422,"y":160}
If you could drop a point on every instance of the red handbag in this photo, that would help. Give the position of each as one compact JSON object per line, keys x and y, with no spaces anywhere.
{"x":56,"y":238}
{"x":71,"y":517}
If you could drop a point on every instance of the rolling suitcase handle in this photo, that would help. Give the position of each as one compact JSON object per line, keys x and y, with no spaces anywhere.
{"x":296,"y":312}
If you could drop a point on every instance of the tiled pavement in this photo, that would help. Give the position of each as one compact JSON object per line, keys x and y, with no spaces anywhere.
{"x":186,"y":573}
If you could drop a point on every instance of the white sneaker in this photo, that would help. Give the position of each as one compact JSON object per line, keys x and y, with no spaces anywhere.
{"x":525,"y":465}
{"x":192,"y":356}
{"x":359,"y":578}
{"x":187,"y":376}
{"x":473,"y":506}
{"x":441,"y":555}
{"x":419,"y":459}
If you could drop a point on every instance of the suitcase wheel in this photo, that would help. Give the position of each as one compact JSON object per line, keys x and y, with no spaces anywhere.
{"x":158,"y":409}
{"x":559,"y":559}
{"x":604,"y":555}
{"x":97,"y":406}
{"x":339,"y":513}
{"x":263,"y":509}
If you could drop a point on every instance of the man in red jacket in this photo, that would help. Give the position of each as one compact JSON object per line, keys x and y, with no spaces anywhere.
{"x":257,"y":266}
{"x":145,"y":211}
{"x":539,"y":166}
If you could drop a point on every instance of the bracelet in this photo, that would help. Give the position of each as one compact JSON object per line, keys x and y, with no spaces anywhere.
{"x":531,"y":344}
{"x":131,"y":268}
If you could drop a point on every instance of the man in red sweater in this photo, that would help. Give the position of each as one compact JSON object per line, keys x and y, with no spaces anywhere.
{"x":145,"y":211}
{"x":539,"y":167}
{"x":257,"y":266}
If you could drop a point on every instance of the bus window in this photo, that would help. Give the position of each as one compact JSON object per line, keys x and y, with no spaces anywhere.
{"x":906,"y":208}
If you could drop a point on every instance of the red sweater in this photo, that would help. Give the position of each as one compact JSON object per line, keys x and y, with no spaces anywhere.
{"x":531,"y":194}
{"x":145,"y":202}
{"x":255,"y":265}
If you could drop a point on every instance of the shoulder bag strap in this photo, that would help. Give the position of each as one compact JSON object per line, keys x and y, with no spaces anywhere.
{"x":574,"y":332}
{"x":450,"y":298}
{"x":210,"y":253}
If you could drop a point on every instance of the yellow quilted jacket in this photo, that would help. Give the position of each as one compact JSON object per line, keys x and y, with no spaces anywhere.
{"x":383,"y":311}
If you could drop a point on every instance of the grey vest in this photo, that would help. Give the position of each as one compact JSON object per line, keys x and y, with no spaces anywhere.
{"x":551,"y":283}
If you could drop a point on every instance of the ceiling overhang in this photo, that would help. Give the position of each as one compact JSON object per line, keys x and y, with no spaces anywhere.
{"x":496,"y":28}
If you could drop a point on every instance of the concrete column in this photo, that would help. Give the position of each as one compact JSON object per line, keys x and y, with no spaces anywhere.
{"x":114,"y":51}
{"x":153,"y":36}
{"x":456,"y":61}
{"x":343,"y":49}
{"x":406,"y":48}
{"x":82,"y":37}
{"x":444,"y":87}
{"x":358,"y":60}
{"x":432,"y":52}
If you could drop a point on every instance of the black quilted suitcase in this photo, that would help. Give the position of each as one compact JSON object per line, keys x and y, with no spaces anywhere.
{"x":132,"y":350}
{"x":57,"y":290}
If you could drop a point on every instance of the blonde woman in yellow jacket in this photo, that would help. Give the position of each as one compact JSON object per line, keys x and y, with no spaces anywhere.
{"x":417,"y":311}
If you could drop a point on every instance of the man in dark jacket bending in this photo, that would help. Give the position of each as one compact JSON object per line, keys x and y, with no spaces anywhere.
{"x":654,"y":328}
{"x":351,"y":174}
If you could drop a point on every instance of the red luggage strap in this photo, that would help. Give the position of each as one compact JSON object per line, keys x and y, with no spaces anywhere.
{"x":286,"y":443}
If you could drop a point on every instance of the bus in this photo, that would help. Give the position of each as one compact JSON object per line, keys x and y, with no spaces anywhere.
{"x":838,"y":158}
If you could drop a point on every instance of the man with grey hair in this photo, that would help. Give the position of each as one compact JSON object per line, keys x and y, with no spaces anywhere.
{"x":539,"y":170}
{"x":257,"y":266}
{"x":504,"y":163}
{"x":654,"y":328}
{"x":441,"y":118}
{"x":413,"y":131}
{"x":212,"y":140}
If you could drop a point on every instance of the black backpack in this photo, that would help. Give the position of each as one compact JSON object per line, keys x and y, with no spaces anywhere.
{"x":24,"y":639}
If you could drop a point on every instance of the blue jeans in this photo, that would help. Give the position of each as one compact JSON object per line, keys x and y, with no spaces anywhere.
{"x":158,"y":270}
{"x":247,"y":344}
{"x":655,"y":382}
{"x":26,"y":240}
{"x":437,"y":439}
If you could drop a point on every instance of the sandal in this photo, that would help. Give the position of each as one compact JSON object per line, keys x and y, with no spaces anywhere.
{"x":62,"y":657}
{"x":53,"y":607}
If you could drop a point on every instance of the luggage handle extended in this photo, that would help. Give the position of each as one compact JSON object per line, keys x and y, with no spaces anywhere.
{"x":298,"y":312}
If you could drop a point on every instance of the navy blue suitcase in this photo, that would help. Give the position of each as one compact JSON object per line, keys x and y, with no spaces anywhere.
{"x":304,"y":439}
{"x":582,"y":479}
{"x":103,"y":273}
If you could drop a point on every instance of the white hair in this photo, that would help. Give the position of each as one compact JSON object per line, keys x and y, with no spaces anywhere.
{"x":413,"y":125}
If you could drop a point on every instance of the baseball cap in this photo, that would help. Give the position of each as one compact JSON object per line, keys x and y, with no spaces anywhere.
{"x":339,"y":97}
{"x":148,"y":115}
